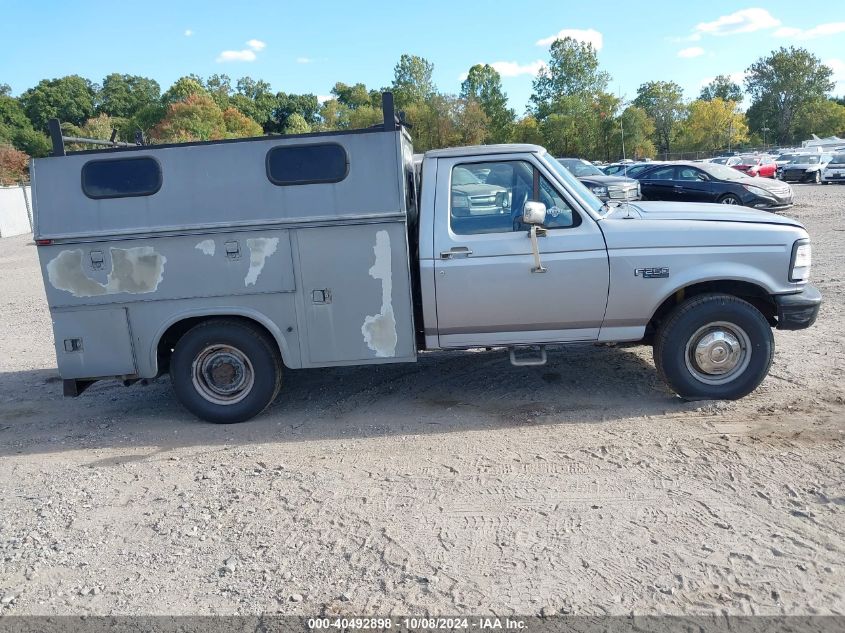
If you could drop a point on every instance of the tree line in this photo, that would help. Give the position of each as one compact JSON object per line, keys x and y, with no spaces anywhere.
{"x":571,"y":111}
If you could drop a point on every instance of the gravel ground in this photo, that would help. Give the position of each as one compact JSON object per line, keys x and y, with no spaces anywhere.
{"x":459,"y":484}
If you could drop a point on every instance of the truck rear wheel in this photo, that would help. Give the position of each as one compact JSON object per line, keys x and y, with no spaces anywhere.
{"x":714,"y":347}
{"x":225,"y":371}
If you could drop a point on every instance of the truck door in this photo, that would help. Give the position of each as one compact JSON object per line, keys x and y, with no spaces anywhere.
{"x":486,"y":290}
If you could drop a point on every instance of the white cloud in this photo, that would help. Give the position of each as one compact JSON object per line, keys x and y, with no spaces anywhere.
{"x":514,"y":69}
{"x":236,"y":56}
{"x":244,"y":55}
{"x":693,"y":51}
{"x":822,"y":30}
{"x":588,"y":36}
{"x":742,"y":21}
{"x":188,"y":32}
{"x":323,"y":98}
{"x":304,"y":60}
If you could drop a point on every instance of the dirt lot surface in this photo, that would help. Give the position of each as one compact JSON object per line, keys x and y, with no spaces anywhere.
{"x":459,"y":484}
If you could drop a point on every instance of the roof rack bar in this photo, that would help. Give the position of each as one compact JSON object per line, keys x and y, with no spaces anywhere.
{"x":56,"y":136}
{"x":388,"y":111}
{"x":96,"y":141}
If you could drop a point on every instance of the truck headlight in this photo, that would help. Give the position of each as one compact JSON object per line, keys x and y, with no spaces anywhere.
{"x":599,"y":191}
{"x":802,"y":256}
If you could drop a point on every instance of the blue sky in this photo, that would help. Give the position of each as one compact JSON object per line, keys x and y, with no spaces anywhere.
{"x":307,"y":46}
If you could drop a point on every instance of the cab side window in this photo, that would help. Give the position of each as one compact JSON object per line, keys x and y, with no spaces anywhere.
{"x":489,"y":198}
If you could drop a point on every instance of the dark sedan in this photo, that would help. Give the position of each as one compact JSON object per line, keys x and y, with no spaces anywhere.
{"x":707,"y":182}
{"x":603,"y":186}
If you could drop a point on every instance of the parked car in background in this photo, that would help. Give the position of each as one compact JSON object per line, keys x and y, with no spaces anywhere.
{"x":834,"y":171}
{"x":762,"y":166}
{"x":471,"y":193}
{"x":708,"y":182}
{"x":614,"y":168}
{"x":603,"y":186}
{"x":806,"y":168}
{"x":730,"y":161}
{"x":784,"y":158}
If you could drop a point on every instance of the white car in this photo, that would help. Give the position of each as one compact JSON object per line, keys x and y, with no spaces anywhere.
{"x":834,"y":171}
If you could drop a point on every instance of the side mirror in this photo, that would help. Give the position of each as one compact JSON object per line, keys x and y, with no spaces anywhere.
{"x":534,"y":213}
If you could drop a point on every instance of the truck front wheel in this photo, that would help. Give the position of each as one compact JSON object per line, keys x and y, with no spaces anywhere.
{"x":714,"y":347}
{"x":225,"y":371}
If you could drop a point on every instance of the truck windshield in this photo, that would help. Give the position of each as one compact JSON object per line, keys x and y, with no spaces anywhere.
{"x":576,"y":185}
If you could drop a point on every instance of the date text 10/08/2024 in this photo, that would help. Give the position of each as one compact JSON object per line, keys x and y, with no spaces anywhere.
{"x":411,"y":623}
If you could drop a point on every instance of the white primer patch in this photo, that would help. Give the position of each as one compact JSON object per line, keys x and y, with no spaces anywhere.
{"x":379,"y":330}
{"x":260,"y":248}
{"x":137,"y":270}
{"x":207,"y":247}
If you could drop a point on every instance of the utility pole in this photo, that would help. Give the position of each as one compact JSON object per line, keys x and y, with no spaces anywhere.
{"x":764,"y":129}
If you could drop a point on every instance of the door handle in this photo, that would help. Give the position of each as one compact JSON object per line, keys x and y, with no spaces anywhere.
{"x":455,"y":251}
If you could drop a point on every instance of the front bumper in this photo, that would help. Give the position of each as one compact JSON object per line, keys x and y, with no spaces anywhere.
{"x":798,"y":311}
{"x":797,"y":175}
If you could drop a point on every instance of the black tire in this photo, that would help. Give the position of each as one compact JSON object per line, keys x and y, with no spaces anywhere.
{"x":226,"y":371}
{"x":730,"y":198}
{"x":705,"y":316}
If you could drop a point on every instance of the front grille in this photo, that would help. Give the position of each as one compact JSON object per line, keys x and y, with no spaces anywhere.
{"x":619,"y":192}
{"x":781,"y":192}
{"x":794,"y":174}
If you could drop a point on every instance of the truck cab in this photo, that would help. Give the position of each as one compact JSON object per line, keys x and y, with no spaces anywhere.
{"x":228,"y":263}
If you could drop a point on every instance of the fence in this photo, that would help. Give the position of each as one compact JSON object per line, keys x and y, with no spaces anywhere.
{"x":15,"y":210}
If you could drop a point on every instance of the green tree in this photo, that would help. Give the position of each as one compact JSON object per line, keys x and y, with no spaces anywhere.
{"x":296,"y":124}
{"x":306,"y":105}
{"x":822,"y":117}
{"x":238,"y":125}
{"x":722,"y":87}
{"x":573,"y":69}
{"x":527,"y":130}
{"x":125,"y":95}
{"x":195,"y":118}
{"x":220,"y":89}
{"x":365,"y":116}
{"x":183,"y":88}
{"x":664,"y":104}
{"x":781,"y":85}
{"x":356,"y":96}
{"x":5,"y":90}
{"x":484,"y":85}
{"x":334,"y":115}
{"x":16,"y":129}
{"x":471,"y":122}
{"x":571,"y":130}
{"x":712,"y":125}
{"x":634,"y":131}
{"x":69,"y":99}
{"x":412,"y":81}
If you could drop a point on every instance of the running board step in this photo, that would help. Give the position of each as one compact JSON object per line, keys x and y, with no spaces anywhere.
{"x":528,"y":361}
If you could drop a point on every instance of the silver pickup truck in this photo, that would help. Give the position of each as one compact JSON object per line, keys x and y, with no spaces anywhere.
{"x":228,"y":263}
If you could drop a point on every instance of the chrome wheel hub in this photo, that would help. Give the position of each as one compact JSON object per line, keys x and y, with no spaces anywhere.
{"x":717,"y":353}
{"x":222,"y":374}
{"x":729,"y":200}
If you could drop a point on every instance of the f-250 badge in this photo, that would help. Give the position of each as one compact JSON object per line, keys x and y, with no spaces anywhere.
{"x":660,"y":272}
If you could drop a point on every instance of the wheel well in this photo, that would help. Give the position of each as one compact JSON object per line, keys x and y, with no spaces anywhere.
{"x":177,"y":330}
{"x":752,"y":293}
